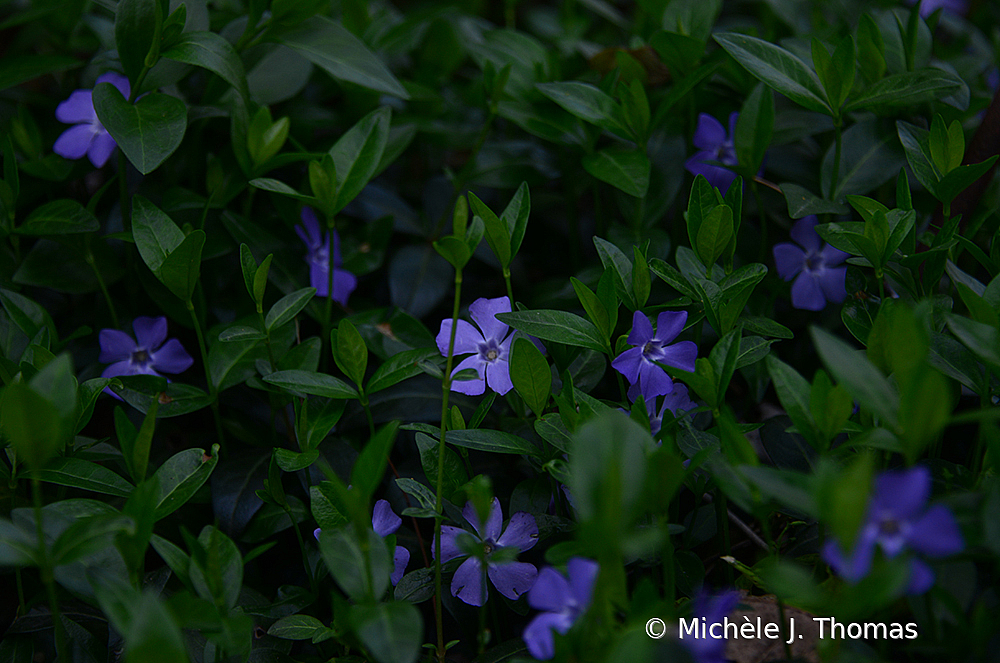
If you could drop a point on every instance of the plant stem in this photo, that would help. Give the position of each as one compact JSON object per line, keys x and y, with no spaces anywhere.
{"x":123,"y":192}
{"x":46,"y":570}
{"x":762,"y":254}
{"x":439,"y":502}
{"x":722,"y":520}
{"x":510,"y":291}
{"x":328,"y":308}
{"x":213,"y":393}
{"x":89,"y":256}
{"x":835,"y":175}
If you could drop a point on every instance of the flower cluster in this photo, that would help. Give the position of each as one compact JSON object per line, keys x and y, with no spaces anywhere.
{"x":897,"y":519}
{"x":511,"y":578}
{"x":318,"y":258}
{"x":87,"y":136}
{"x":814,"y":266}
{"x":489,"y":347}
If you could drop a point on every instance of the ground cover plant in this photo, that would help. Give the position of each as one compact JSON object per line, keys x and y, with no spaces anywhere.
{"x":577,"y":331}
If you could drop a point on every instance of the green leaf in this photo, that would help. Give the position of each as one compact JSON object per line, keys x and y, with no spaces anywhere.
{"x":351,"y":352}
{"x":19,"y":69}
{"x":361,"y":568}
{"x":858,"y":375}
{"x":620,"y":268}
{"x":530,"y":374}
{"x":595,"y":309}
{"x":871,"y":49}
{"x":180,"y":477}
{"x":588,"y":103}
{"x":78,"y":473}
{"x":454,"y":250}
{"x":241,"y":333}
{"x":906,"y":90}
{"x":309,"y":382}
{"x":249,"y":267}
{"x":287,"y":308}
{"x":148,"y":131}
{"x":135,"y":27}
{"x":627,"y":170}
{"x":399,"y":367}
{"x":515,"y":215}
{"x":802,"y":202}
{"x":778,"y":68}
{"x":497,"y":231}
{"x":334,"y":49}
{"x":558,"y":326}
{"x":714,"y":234}
{"x":60,"y":217}
{"x":366,"y":475}
{"x":754,"y":127}
{"x":37,"y":417}
{"x":918,"y":154}
{"x":356,"y":154}
{"x":276,"y":186}
{"x":155,"y":234}
{"x":290,"y":461}
{"x":392,"y":631}
{"x":494,"y":441}
{"x":869,"y":158}
{"x":182,"y":266}
{"x":295,"y":627}
{"x":209,"y":50}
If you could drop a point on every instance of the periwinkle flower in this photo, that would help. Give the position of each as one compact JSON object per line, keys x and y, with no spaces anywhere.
{"x":637,"y":363}
{"x":318,"y":257}
{"x":714,"y":609}
{"x":489,"y":346}
{"x":146,"y":354}
{"x":386,"y":522}
{"x":928,"y":7}
{"x":813,"y":265}
{"x":511,"y":578}
{"x":88,"y":136}
{"x":564,"y":599}
{"x":898,"y":519}
{"x":677,"y":402}
{"x":717,"y":154}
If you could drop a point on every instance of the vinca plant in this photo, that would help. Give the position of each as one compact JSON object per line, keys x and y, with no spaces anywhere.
{"x":597,"y":331}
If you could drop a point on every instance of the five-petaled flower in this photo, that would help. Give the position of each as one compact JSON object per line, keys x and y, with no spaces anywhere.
{"x":87,"y":136}
{"x":714,"y":610}
{"x":386,"y":522}
{"x":813,"y":265}
{"x":490,"y":347}
{"x":716,"y":154}
{"x":144,"y":355}
{"x":898,"y":518}
{"x":637,"y":363}
{"x":563,"y":599}
{"x":318,"y":257}
{"x":511,"y":578}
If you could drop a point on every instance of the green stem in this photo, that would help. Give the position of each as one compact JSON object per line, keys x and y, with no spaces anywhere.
{"x":764,"y":246}
{"x":213,"y":393}
{"x":439,"y":502}
{"x":722,"y":520}
{"x":89,"y":256}
{"x":510,"y":291}
{"x":368,"y":412}
{"x":835,"y":175}
{"x":302,"y":548}
{"x":123,"y":191}
{"x":463,"y":175}
{"x":46,"y":570}
{"x":331,"y":224}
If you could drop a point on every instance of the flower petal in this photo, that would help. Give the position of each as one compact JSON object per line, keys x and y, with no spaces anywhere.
{"x":115,"y":345}
{"x":118,"y":80}
{"x":855,"y":566}
{"x":833,"y":281}
{"x":101,"y":148}
{"x":449,"y":543}
{"x":171,"y":358}
{"x":150,"y":333}
{"x":118,"y":369}
{"x":807,"y":293}
{"x":719,"y":177}
{"x":709,"y":134}
{"x":475,"y":387}
{"x":344,"y":284}
{"x":74,"y":142}
{"x":319,"y":278}
{"x":936,"y":533}
{"x":469,"y":584}
{"x":788,"y":259}
{"x":653,"y":380}
{"x":498,"y":376}
{"x":582,"y":576}
{"x":483,"y":312}
{"x":902,"y":493}
{"x":804,"y":233}
{"x":494,"y":521}
{"x":78,"y":107}
{"x":310,"y":231}
{"x":921,"y":578}
{"x":384,"y":519}
{"x":669,"y":324}
{"x":467,"y":338}
{"x":551,"y":591}
{"x":513,"y":578}
{"x":642,"y":329}
{"x":521,"y":532}
{"x":680,"y":355}
{"x":400,"y":559}
{"x":833,"y":256}
{"x":628,"y":364}
{"x":733,"y":117}
{"x":538,"y":634}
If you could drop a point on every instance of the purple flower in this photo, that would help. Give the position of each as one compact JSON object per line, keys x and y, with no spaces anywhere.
{"x":714,"y":609}
{"x":318,"y":258}
{"x":509,"y":577}
{"x":87,"y":136}
{"x":813,"y":265}
{"x":928,"y":7}
{"x":386,"y":522}
{"x":677,"y":402}
{"x":146,"y":354}
{"x":489,"y":348}
{"x":898,"y":518}
{"x":716,"y":147}
{"x":563,"y":600}
{"x":637,"y":365}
